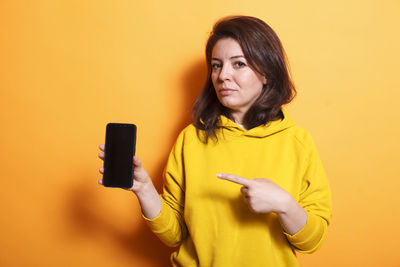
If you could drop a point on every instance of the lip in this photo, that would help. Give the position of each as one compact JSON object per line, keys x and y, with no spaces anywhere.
{"x":226,"y":91}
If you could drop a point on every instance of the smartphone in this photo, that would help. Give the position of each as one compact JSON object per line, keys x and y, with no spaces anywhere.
{"x":119,"y":150}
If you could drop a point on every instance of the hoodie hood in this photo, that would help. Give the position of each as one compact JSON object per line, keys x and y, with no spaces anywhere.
{"x":272,"y":127}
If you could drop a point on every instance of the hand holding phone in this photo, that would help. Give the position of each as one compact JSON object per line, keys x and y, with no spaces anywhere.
{"x":143,"y":187}
{"x":141,"y":179}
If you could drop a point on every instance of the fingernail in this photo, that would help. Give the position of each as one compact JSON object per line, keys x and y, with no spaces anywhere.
{"x":219,"y":175}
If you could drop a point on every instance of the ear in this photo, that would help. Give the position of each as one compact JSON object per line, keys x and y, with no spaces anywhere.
{"x":264,"y":80}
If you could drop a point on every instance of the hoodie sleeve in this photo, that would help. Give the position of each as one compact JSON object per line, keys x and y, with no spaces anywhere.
{"x":169,"y":225}
{"x":315,"y":198}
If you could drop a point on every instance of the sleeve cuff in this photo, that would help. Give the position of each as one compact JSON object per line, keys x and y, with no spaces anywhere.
{"x":310,"y":237}
{"x":160,"y":223}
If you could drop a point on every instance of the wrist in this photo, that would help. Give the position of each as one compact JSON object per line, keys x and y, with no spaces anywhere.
{"x":286,"y":204}
{"x":146,"y":190}
{"x":292,"y":216}
{"x":150,"y":202}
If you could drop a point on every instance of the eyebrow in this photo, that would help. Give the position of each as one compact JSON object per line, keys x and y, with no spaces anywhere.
{"x":215,"y":58}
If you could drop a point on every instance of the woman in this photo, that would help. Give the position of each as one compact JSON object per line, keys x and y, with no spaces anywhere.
{"x":243,"y":185}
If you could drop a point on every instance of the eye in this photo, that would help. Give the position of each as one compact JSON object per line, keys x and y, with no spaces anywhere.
{"x":216,"y":65}
{"x":239,"y":64}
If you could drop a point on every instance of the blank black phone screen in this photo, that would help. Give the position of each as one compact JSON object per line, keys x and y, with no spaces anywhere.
{"x":118,"y":154}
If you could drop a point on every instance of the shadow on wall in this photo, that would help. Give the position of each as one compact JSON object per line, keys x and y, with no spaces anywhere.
{"x":192,"y":83}
{"x":89,"y":221}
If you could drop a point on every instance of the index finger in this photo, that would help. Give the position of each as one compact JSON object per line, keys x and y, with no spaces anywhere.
{"x":234,"y":178}
{"x":101,"y":147}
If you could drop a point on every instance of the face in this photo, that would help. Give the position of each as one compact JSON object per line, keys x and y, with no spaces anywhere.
{"x":237,"y":85}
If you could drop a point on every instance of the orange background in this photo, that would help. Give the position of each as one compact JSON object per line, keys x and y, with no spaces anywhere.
{"x":69,"y":67}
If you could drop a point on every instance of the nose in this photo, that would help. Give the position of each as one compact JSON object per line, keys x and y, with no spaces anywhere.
{"x":225,"y":73}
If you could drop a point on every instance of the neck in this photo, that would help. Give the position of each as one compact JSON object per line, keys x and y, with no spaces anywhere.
{"x":238,"y":118}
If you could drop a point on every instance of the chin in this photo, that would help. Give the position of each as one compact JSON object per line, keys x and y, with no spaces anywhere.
{"x":228,"y":104}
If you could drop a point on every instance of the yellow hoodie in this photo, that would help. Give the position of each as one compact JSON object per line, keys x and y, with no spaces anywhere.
{"x":207,"y":216}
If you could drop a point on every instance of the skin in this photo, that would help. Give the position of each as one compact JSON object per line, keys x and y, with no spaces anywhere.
{"x":237,"y":87}
{"x":143,"y":188}
{"x":236,"y":84}
{"x":264,"y":196}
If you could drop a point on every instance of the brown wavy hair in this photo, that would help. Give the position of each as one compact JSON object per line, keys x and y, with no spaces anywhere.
{"x":265,"y":54}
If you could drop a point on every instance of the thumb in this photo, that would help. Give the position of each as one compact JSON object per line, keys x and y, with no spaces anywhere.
{"x":137,"y":162}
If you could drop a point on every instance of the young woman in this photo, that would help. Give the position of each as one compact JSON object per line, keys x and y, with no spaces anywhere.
{"x":243,"y":185}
